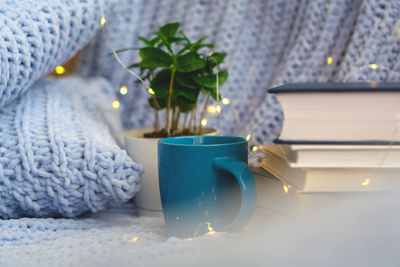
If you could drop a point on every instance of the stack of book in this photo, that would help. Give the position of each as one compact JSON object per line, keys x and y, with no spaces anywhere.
{"x":338,"y":137}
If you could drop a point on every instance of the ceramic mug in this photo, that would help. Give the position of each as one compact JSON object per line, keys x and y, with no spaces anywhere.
{"x":205,"y":184}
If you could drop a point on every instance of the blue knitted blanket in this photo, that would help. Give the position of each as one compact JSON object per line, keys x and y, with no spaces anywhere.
{"x":57,"y":156}
{"x":36,"y":36}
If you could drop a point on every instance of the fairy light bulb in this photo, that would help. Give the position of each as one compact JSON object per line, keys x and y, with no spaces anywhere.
{"x":135,"y":239}
{"x":366,"y":182}
{"x":254,"y":149}
{"x":373,"y":66}
{"x":102,"y":20}
{"x":285,"y":189}
{"x":115,"y":104}
{"x":225,"y":101}
{"x":204,"y":122}
{"x":123,"y":90}
{"x":211,"y":109}
{"x":329,"y":60}
{"x":210,"y":229}
{"x":248,"y":137}
{"x":151,"y":91}
{"x":218,"y":109}
{"x":60,"y":70}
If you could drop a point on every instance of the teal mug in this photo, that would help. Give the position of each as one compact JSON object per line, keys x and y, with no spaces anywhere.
{"x":205,"y":184}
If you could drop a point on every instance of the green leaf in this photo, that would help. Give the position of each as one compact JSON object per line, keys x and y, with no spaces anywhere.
{"x":145,"y":41}
{"x":134,"y":65}
{"x":169,"y":30}
{"x":153,"y":57}
{"x":210,"y":81}
{"x":154,"y":41}
{"x":217,"y":57}
{"x":211,"y":92}
{"x":186,"y":80}
{"x":186,"y":107}
{"x":176,"y":39}
{"x":189,"y":62}
{"x":190,"y":96}
{"x":160,"y":104}
{"x":160,"y":83}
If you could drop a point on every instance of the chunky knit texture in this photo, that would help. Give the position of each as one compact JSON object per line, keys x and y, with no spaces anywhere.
{"x":36,"y":36}
{"x":57,"y":156}
{"x":269,"y":43}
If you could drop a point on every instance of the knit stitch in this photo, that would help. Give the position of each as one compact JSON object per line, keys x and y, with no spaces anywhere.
{"x":57,"y":156}
{"x":36,"y":36}
{"x":269,"y":43}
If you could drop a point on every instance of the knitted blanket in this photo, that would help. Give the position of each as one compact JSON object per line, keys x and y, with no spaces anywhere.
{"x":36,"y":36}
{"x":57,"y":156}
{"x":268,"y":43}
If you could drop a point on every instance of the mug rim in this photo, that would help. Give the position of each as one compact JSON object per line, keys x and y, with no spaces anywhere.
{"x":238,"y":140}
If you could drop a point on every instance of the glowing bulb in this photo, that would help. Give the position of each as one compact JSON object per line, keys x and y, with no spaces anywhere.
{"x":248,"y":137}
{"x":123,"y":90}
{"x":211,"y":53}
{"x":366,"y":182}
{"x":60,"y":70}
{"x":329,"y":60}
{"x":115,"y":104}
{"x":373,"y":66}
{"x":151,"y":91}
{"x":135,"y":239}
{"x":190,"y":239}
{"x":285,"y":189}
{"x":211,"y":109}
{"x":210,"y":229}
{"x":218,"y":108}
{"x":204,"y":122}
{"x":103,"y":20}
{"x":225,"y":101}
{"x":255,"y":148}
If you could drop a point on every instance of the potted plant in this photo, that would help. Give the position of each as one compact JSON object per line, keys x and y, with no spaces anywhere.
{"x":178,"y":70}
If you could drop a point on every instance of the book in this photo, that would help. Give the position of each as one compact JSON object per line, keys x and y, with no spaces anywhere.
{"x":365,"y":113}
{"x":345,"y":179}
{"x":340,"y":156}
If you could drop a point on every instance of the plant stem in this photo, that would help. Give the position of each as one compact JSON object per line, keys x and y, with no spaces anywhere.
{"x":178,"y":114}
{"x":156,"y":119}
{"x":185,"y":120}
{"x":203,"y":112}
{"x":171,"y":83}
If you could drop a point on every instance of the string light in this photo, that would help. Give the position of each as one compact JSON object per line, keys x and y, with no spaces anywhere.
{"x":60,"y":70}
{"x":115,"y":104}
{"x":329,"y":60}
{"x":211,"y":53}
{"x":254,"y":149}
{"x":135,"y":239}
{"x":204,"y":122}
{"x":248,"y":137}
{"x":102,"y":22}
{"x":218,"y":109}
{"x":285,"y":189}
{"x":123,"y":90}
{"x":366,"y":182}
{"x":225,"y":101}
{"x":210,"y":229}
{"x":151,"y":91}
{"x":211,"y":109}
{"x":373,"y":66}
{"x":190,"y":239}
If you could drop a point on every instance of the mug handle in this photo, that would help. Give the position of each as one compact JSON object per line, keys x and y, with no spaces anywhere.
{"x":247,"y":185}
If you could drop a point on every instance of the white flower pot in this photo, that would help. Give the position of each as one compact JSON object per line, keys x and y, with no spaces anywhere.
{"x":144,"y":151}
